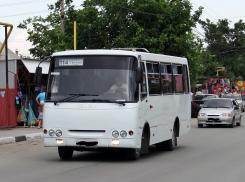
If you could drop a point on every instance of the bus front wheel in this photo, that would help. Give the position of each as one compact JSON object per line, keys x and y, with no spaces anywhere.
{"x":134,"y":154}
{"x":65,"y":153}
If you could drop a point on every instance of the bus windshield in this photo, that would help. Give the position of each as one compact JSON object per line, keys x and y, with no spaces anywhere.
{"x":92,"y":79}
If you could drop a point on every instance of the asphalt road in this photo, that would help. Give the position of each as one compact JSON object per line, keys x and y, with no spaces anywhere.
{"x":209,"y":154}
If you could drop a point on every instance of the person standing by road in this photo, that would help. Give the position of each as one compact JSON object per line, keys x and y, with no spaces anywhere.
{"x":41,"y":97}
{"x":40,"y":117}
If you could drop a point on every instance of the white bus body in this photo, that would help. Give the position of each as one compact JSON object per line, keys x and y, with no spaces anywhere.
{"x":153,"y":112}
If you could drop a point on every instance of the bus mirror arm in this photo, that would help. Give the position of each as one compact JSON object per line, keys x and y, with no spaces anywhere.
{"x":38,"y":73}
{"x":139,"y":75}
{"x":38,"y":76}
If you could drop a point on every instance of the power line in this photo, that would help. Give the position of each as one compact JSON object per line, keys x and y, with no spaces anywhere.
{"x":198,"y":32}
{"x":24,"y":13}
{"x":22,"y":3}
{"x":233,"y":17}
{"x":203,"y":11}
{"x":209,"y":8}
{"x":29,"y":13}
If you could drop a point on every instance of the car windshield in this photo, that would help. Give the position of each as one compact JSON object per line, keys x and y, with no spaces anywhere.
{"x":218,"y":103}
{"x":236,"y":97}
{"x":92,"y":78}
{"x":204,"y":97}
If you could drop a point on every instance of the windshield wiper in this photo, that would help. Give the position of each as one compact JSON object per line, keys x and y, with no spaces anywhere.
{"x":73,"y":96}
{"x":100,"y":100}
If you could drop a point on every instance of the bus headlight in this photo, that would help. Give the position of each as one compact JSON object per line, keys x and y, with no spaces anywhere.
{"x":115,"y":133}
{"x":51,"y":132}
{"x":58,"y":133}
{"x":123,"y":134}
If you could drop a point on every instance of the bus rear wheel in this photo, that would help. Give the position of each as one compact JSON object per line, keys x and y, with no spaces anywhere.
{"x":65,"y":153}
{"x":170,"y":144}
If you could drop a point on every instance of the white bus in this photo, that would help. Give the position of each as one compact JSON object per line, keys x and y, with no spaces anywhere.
{"x":127,"y":100}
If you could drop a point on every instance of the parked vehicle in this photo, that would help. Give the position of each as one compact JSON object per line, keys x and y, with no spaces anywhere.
{"x":221,"y":111}
{"x":198,"y":102}
{"x":238,"y":98}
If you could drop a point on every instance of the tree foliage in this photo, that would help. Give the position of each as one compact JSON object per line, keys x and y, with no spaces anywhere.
{"x":163,"y":27}
{"x":227,"y":45}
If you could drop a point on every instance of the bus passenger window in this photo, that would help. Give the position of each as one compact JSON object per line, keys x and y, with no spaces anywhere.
{"x":178,"y":78}
{"x":153,"y":78}
{"x":167,"y":82}
{"x":143,"y":85}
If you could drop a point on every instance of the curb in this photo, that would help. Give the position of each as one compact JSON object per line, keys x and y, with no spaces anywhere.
{"x":27,"y":137}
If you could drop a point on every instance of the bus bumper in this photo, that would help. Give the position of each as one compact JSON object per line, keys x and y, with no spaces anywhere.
{"x":95,"y":143}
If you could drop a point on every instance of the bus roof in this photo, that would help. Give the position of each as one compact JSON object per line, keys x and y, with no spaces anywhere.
{"x":144,"y":55}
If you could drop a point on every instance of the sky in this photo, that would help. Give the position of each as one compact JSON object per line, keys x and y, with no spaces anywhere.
{"x":15,"y":11}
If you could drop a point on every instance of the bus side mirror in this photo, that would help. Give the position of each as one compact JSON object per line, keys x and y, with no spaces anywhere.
{"x":38,"y":76}
{"x":139,"y":75}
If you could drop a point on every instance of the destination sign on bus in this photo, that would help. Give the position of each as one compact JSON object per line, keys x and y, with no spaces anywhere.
{"x":71,"y":62}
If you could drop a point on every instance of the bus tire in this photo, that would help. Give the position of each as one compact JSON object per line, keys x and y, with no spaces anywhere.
{"x":65,"y":153}
{"x":145,"y":141}
{"x":170,"y":144}
{"x":134,"y":154}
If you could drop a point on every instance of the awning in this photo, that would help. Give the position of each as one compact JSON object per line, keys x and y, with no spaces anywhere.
{"x":31,"y":65}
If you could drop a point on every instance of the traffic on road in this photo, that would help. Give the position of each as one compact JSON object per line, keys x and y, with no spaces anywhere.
{"x":212,"y":153}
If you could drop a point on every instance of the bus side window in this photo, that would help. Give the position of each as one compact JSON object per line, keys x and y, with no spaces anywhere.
{"x":186,"y":79}
{"x":153,"y":78}
{"x":178,"y":78}
{"x":143,"y":85}
{"x":166,"y":76}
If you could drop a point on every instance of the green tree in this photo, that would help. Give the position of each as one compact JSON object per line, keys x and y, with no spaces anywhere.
{"x":163,"y":27}
{"x":227,"y":44}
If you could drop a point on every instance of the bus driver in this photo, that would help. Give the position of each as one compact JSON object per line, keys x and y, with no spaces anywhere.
{"x":118,"y":87}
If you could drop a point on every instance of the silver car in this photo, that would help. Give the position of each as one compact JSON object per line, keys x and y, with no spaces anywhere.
{"x":221,"y":111}
{"x":238,"y":98}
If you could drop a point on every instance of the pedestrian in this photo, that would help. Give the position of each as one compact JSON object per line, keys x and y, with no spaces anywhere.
{"x":40,"y":117}
{"x":41,"y":97}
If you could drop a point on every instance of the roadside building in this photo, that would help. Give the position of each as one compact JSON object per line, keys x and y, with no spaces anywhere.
{"x":21,"y":73}
{"x":8,"y":109}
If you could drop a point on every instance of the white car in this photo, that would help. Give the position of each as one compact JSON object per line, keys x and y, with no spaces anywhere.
{"x":238,"y":98}
{"x":220,"y":112}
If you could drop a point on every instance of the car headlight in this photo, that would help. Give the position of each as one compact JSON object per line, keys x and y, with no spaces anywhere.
{"x":51,"y":132}
{"x":226,"y":114}
{"x":123,"y":134}
{"x":115,"y":133}
{"x":58,"y":133}
{"x":202,"y":114}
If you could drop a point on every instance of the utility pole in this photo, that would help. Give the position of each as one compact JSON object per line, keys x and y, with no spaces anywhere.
{"x":7,"y":77}
{"x":62,"y":15}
